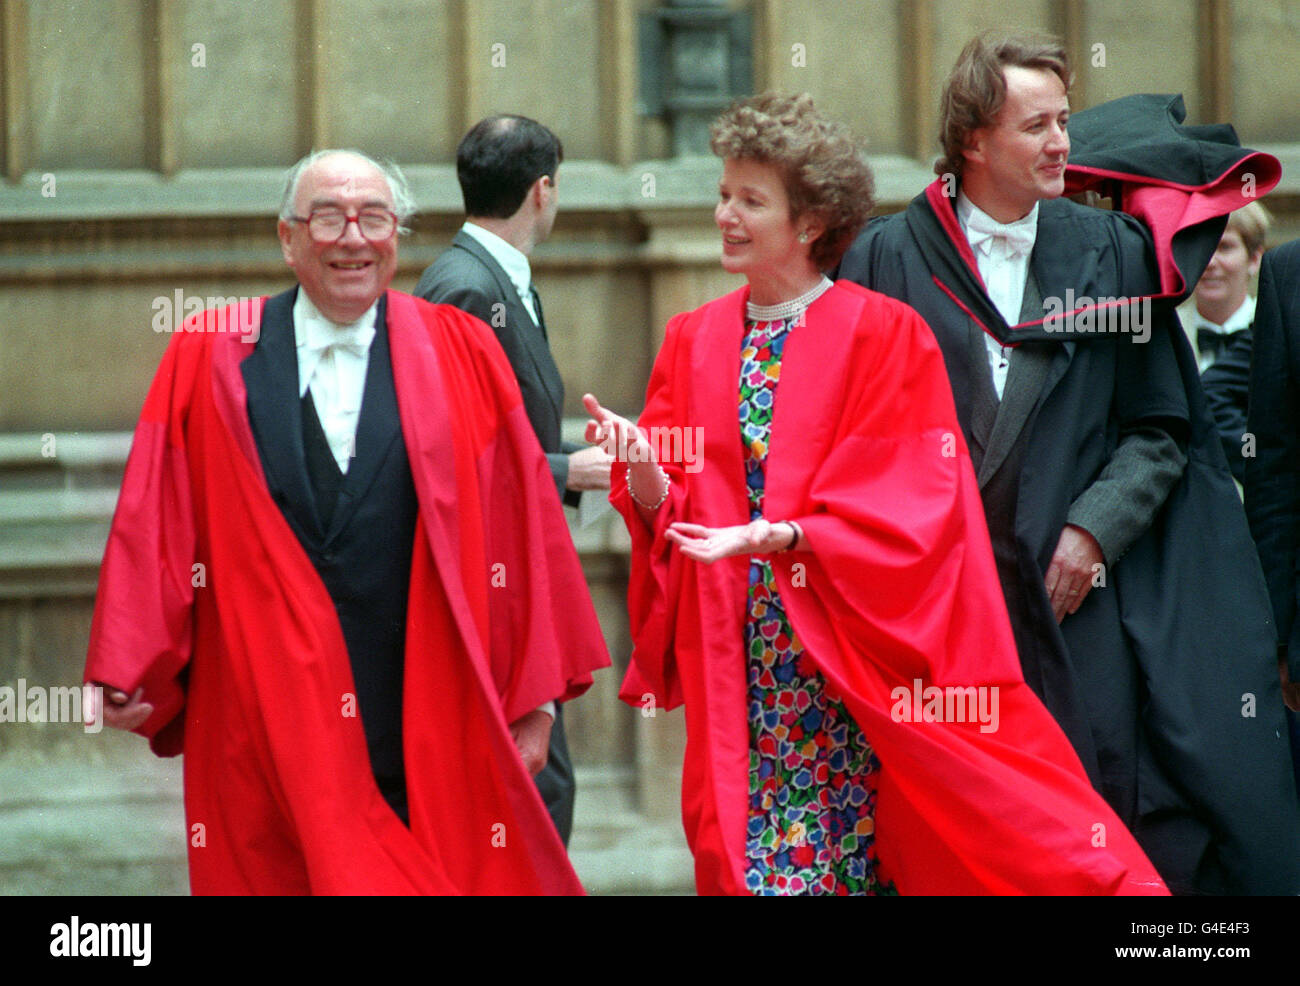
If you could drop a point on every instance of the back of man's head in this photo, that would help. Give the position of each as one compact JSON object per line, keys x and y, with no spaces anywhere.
{"x":500,"y":159}
{"x":976,"y":87}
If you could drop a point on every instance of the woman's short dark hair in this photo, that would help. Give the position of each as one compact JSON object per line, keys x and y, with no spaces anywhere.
{"x":977,"y":87}
{"x":820,"y":162}
{"x":498,"y":161}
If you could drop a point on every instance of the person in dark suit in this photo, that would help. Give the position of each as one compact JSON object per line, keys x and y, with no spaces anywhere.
{"x":1090,"y":451}
{"x":507,"y":168}
{"x":1273,"y":473}
{"x":295,"y":596}
{"x":1220,"y":327}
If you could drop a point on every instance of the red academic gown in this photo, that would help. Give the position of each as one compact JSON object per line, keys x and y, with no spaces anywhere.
{"x":207,"y":599}
{"x":898,"y":586}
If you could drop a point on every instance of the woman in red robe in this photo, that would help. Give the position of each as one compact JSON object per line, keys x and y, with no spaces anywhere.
{"x":812,"y":577}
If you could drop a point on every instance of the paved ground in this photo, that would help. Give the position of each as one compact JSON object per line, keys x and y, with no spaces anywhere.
{"x":115,"y":825}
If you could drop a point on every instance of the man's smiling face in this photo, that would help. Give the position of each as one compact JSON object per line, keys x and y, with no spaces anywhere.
{"x":343,"y":278}
{"x":1020,"y":157}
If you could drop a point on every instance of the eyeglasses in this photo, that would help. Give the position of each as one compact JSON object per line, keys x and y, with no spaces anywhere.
{"x":329,"y":225}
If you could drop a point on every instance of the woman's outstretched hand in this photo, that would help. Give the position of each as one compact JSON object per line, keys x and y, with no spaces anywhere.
{"x":625,"y":442}
{"x":709,"y":544}
{"x":615,"y":434}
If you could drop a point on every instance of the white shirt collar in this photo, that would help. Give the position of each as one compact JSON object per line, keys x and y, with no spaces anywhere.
{"x":512,"y":260}
{"x":968,"y":211}
{"x":312,"y":331}
{"x":1238,"y":320}
{"x":1004,"y":267}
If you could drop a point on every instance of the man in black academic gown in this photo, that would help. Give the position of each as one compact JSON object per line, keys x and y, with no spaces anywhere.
{"x":507,"y":168}
{"x":1088,"y":448}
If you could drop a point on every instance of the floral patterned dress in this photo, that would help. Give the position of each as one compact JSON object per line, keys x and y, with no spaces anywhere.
{"x":812,"y":791}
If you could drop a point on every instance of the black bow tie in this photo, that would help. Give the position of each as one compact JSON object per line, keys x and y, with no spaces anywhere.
{"x":1211,"y":343}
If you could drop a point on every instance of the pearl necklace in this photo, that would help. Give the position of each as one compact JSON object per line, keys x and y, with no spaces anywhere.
{"x":787,"y":309}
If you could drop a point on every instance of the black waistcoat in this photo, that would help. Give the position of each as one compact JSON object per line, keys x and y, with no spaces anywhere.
{"x":363,"y":554}
{"x":1053,"y":680}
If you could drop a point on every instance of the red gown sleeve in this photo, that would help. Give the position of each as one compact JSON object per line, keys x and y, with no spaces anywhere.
{"x":545,"y":637}
{"x":524,"y":584}
{"x":655,"y":576}
{"x":142,"y":630}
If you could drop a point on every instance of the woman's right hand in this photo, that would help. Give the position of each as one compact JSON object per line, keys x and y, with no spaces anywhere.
{"x":619,"y":437}
{"x":625,"y":442}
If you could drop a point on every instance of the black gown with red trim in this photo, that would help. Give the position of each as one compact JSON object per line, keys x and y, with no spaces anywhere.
{"x":1171,"y":663}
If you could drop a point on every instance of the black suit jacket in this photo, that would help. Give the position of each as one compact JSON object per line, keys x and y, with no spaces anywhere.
{"x":1273,"y":473}
{"x":467,"y":277}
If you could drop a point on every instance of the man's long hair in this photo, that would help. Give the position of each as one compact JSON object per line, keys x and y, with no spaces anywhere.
{"x":977,"y":87}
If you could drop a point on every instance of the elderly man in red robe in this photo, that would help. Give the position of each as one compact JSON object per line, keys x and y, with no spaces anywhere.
{"x":337,"y":579}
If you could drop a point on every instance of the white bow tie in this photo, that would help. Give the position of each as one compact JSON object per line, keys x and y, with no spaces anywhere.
{"x":983,"y":232}
{"x":354,"y":339}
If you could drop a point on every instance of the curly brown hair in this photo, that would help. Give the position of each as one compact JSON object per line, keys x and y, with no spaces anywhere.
{"x":821,"y":164}
{"x":977,"y":87}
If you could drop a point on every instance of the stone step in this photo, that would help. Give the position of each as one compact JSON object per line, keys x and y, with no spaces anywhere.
{"x":615,"y":849}
{"x":64,"y":450}
{"x":54,"y":461}
{"x":71,"y":826}
{"x":27,"y":506}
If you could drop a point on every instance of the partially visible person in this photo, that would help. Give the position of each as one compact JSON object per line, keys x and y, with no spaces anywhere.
{"x":507,"y":167}
{"x":1219,"y":324}
{"x":1273,"y":473}
{"x":825,"y":567}
{"x":299,"y":588}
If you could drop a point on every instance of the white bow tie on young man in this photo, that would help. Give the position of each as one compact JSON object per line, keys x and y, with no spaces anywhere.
{"x":1002,"y":253}
{"x":1017,"y":238}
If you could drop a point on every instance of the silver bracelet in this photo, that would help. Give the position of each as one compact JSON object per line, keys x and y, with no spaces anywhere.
{"x":668,"y":485}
